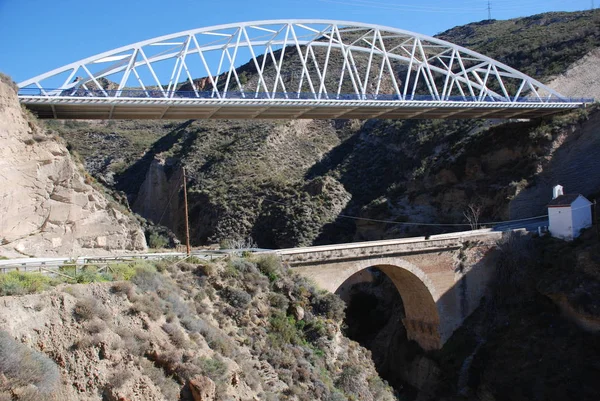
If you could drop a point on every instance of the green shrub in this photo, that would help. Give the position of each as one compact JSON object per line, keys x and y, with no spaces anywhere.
{"x":17,"y":283}
{"x":284,"y":330}
{"x":278,"y":301}
{"x":314,"y":330}
{"x":157,"y":241}
{"x":270,"y":266}
{"x":214,"y":368}
{"x":330,"y":306}
{"x":90,"y":274}
{"x":235,"y":297}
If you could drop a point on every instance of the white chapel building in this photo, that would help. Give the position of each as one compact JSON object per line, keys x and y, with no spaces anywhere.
{"x":568,"y":214}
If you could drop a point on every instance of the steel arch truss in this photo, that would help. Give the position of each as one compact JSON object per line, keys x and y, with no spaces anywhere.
{"x":316,"y":62}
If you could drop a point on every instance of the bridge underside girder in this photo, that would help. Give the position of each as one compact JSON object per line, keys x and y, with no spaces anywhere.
{"x":124,"y":109}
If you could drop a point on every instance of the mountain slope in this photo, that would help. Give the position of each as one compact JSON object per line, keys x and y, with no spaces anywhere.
{"x":285,"y":183}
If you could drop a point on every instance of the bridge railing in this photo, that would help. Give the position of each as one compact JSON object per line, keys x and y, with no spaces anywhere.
{"x":163,"y":94}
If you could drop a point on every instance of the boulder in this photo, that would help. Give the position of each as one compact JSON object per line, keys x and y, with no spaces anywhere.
{"x":202,"y":388}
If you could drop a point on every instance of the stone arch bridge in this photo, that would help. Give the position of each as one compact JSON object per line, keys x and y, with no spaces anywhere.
{"x":441,"y":279}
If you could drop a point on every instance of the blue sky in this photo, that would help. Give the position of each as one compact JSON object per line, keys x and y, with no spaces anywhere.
{"x":40,"y":35}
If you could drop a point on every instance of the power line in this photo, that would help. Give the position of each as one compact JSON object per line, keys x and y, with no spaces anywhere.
{"x":407,"y":223}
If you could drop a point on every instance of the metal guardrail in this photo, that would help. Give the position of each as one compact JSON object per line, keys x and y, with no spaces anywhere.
{"x":53,"y":265}
{"x":175,"y":94}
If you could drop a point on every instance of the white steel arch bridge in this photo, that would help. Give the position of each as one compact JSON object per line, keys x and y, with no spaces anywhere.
{"x":290,"y":69}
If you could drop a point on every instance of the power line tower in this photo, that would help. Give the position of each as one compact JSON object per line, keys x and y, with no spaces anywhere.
{"x":489,"y":8}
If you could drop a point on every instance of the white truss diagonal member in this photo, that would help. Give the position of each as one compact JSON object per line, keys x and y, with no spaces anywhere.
{"x":95,"y":81}
{"x":152,"y":72}
{"x":389,"y":64}
{"x":322,"y":88}
{"x":410,"y":67}
{"x":343,"y":49}
{"x":303,"y":61}
{"x":261,"y":77}
{"x":231,"y":63}
{"x":450,"y":74}
{"x":127,"y":72}
{"x":429,"y":80}
{"x":205,"y":64}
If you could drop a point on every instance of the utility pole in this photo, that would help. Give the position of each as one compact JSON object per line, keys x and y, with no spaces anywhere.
{"x":489,"y":8}
{"x":187,"y":226}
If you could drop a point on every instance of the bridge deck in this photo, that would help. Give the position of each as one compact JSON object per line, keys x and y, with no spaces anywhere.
{"x":336,"y":252}
{"x":173,"y":108}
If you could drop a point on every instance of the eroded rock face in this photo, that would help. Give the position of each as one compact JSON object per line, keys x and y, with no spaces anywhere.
{"x":47,"y":205}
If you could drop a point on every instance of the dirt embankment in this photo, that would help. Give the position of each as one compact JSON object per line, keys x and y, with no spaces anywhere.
{"x":244,"y":330}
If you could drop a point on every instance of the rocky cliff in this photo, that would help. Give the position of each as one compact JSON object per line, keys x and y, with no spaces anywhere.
{"x":48,"y":205}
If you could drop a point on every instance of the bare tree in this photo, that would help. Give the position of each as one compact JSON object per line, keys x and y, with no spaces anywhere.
{"x":472,"y":214}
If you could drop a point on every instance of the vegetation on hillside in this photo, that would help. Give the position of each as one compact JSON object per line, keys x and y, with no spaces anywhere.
{"x":540,"y":46}
{"x":228,"y":323}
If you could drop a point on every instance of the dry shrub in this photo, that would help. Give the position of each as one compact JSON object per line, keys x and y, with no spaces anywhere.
{"x":148,"y":280}
{"x":205,"y":269}
{"x":250,"y":375}
{"x":89,"y":308}
{"x":169,"y":388}
{"x":95,"y":326}
{"x":9,"y":81}
{"x":149,"y":304}
{"x":118,"y":378}
{"x":134,"y":341}
{"x":352,"y":382}
{"x":22,"y":366}
{"x":186,"y":267}
{"x":177,"y":336}
{"x":87,"y":341}
{"x":123,"y":287}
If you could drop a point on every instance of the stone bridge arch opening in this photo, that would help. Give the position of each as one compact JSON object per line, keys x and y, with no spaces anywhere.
{"x":421,"y":317}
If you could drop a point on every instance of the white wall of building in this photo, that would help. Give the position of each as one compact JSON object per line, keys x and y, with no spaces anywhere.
{"x":582,"y":215}
{"x":560,"y":222}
